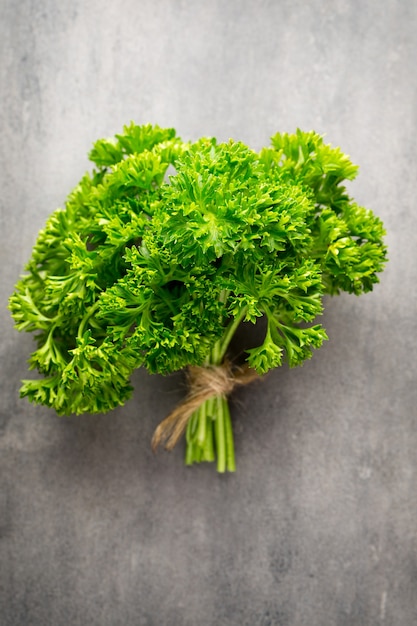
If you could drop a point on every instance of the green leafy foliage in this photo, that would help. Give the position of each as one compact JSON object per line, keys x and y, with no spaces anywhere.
{"x":144,"y":269}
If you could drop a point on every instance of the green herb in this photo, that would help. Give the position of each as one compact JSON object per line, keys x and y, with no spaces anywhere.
{"x":166,"y":247}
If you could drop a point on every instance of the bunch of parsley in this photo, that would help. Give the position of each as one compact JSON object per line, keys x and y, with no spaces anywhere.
{"x":145,"y":269}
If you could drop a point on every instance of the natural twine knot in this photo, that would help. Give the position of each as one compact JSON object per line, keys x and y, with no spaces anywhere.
{"x":203,"y":383}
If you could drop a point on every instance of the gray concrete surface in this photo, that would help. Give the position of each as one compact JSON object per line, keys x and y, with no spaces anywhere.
{"x":318,"y":525}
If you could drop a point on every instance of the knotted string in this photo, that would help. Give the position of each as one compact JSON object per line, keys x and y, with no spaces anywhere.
{"x":203,"y":383}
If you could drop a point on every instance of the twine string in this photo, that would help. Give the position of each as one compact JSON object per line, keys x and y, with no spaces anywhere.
{"x":203,"y":383}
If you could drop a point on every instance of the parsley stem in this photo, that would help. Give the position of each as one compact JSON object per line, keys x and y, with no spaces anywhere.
{"x":202,"y":424}
{"x":216,"y":354}
{"x":189,"y":453}
{"x":220,"y":436}
{"x":86,"y":317}
{"x":230,"y":450}
{"x":229,"y":332}
{"x":208,"y":453}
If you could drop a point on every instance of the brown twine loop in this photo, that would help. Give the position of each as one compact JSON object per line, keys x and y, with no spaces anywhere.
{"x":203,"y":383}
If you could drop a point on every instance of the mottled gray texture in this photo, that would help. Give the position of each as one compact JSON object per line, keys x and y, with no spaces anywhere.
{"x":318,"y":525}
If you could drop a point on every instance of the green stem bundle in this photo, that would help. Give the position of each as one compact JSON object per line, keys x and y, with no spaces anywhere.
{"x":209,"y":433}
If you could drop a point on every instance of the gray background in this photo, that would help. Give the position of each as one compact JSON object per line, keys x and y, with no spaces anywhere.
{"x":318,"y":525}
